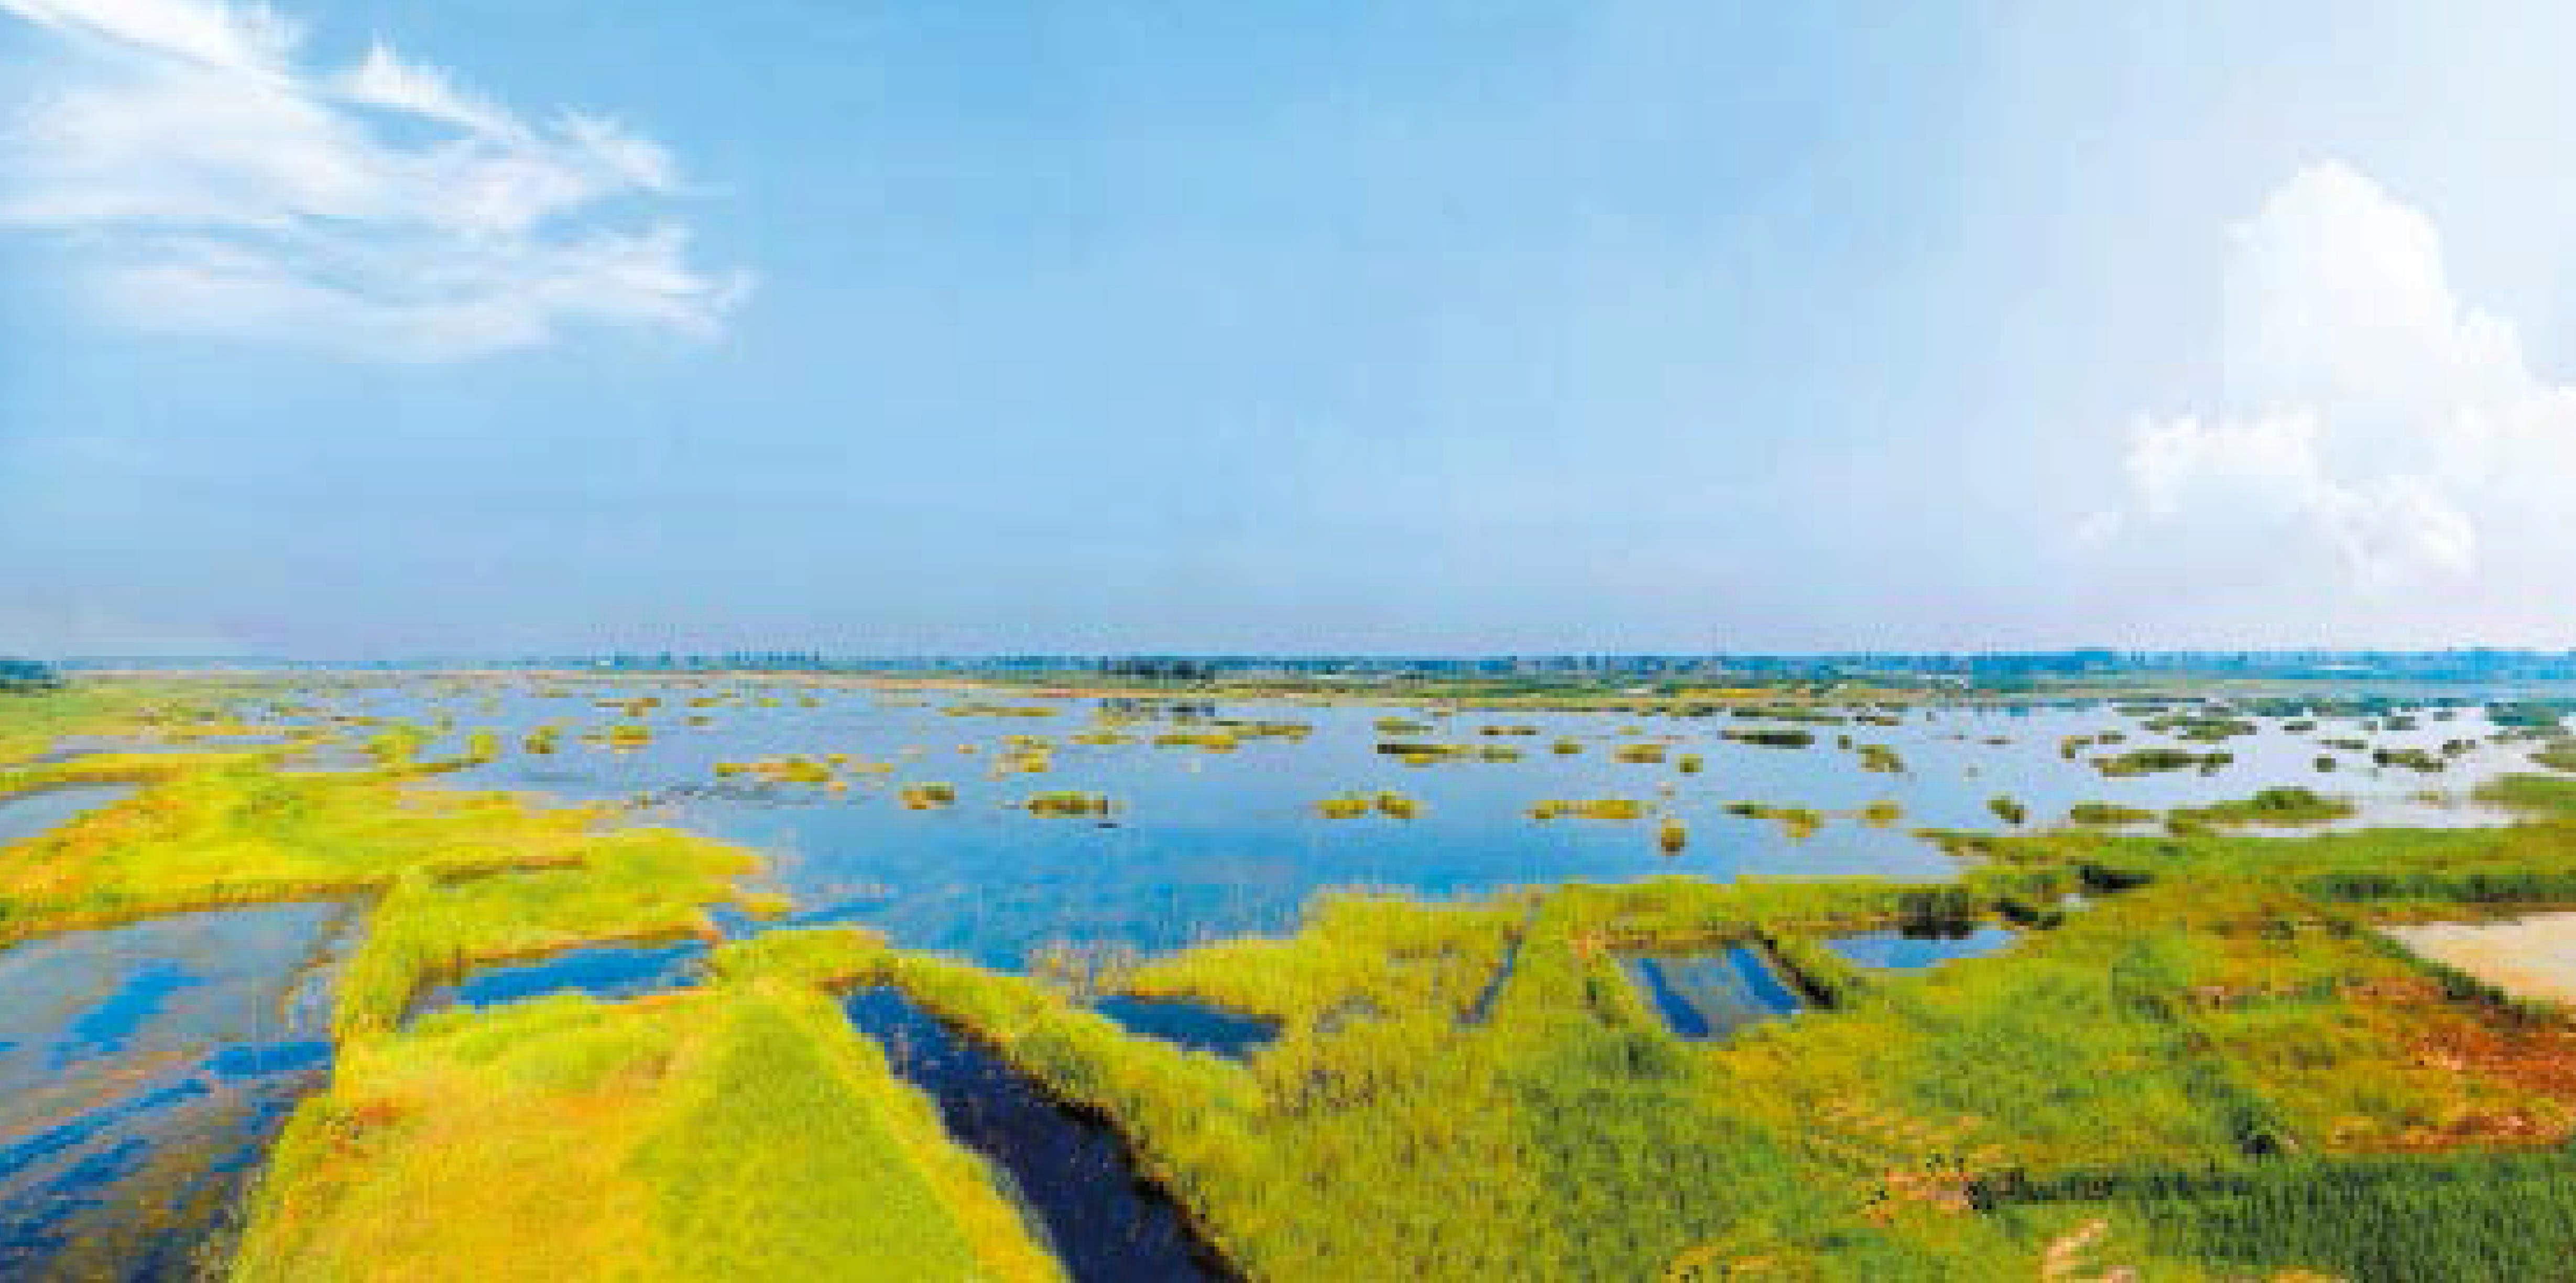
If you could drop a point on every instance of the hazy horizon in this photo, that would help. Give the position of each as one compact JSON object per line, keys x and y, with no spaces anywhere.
{"x":357,"y":328}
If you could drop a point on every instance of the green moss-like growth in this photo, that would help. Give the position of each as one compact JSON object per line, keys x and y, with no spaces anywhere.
{"x":2286,"y":806}
{"x":1646,"y":754}
{"x":1770,"y":737}
{"x":2108,"y":814}
{"x":2413,"y":759}
{"x":2008,"y":810}
{"x":2142,"y":761}
{"x":1798,"y":822}
{"x":1880,"y":758}
{"x":1607,"y":808}
{"x":1422,"y":753}
{"x":2205,"y":729}
{"x":1068,"y":802}
{"x":927,"y":797}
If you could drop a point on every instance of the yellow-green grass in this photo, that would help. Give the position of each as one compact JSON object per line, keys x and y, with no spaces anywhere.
{"x":226,"y":829}
{"x":2396,"y":871}
{"x":624,"y":885}
{"x":1798,"y":822}
{"x":1069,"y":802}
{"x":2288,"y":806}
{"x":1547,"y":1126}
{"x":161,"y":711}
{"x":741,"y":1132}
{"x":1551,"y":1129}
{"x":459,"y":878}
{"x":1602,"y":808}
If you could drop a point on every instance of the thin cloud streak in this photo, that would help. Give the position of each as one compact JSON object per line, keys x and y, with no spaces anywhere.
{"x":204,"y":180}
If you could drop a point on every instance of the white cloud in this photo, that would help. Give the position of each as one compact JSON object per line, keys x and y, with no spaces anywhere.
{"x":204,"y":180}
{"x":2371,"y":421}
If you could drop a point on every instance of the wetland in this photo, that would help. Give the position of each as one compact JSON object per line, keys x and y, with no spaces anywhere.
{"x":558,"y":975}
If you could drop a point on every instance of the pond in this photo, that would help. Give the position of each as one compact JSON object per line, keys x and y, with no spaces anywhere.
{"x":1711,"y":995}
{"x":1916,"y":950}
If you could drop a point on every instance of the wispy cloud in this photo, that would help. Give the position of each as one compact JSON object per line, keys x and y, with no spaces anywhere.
{"x":2371,"y":420}
{"x":205,"y":179}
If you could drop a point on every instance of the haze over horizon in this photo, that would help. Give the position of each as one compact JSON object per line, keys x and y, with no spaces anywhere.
{"x":363,"y":327}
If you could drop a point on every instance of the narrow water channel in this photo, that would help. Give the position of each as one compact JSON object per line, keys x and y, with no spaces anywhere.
{"x":1104,"y":1220}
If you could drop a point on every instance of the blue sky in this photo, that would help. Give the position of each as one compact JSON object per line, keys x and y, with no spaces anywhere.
{"x":496,"y":325}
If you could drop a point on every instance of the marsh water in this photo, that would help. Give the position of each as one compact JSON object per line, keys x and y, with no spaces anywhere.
{"x":29,"y":814}
{"x":1074,"y":1174}
{"x":1710,"y":995}
{"x":152,"y":1062}
{"x":1206,"y":845}
{"x":142,"y":1071}
{"x":1914,"y":950}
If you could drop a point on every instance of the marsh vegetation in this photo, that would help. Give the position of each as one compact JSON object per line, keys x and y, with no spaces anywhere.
{"x":1578,"y":1069}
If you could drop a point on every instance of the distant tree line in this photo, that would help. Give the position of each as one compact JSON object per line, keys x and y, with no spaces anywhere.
{"x":1169,"y":670}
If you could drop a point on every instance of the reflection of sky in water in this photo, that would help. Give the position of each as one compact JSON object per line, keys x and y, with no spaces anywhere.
{"x":140,"y":1064}
{"x":28,"y":814}
{"x":1217,"y":844}
{"x":1895,"y":950}
{"x":1711,"y":995}
{"x":1193,"y":1025}
{"x":608,"y":972}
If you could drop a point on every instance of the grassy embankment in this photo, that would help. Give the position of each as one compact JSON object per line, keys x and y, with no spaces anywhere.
{"x":741,"y":1130}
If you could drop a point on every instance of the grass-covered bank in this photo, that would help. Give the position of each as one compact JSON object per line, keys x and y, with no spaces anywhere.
{"x":739,"y":1131}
